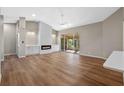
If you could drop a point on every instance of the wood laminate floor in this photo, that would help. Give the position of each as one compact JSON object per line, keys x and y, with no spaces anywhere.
{"x":57,"y":69}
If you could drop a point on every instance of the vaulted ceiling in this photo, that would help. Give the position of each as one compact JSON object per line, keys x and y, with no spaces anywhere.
{"x":72,"y":16}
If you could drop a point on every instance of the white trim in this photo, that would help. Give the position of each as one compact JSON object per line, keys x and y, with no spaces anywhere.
{"x":83,"y":54}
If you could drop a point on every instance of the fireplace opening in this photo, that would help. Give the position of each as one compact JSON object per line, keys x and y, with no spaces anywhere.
{"x":45,"y":47}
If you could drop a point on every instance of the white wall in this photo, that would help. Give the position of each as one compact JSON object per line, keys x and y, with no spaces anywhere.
{"x":1,"y":43}
{"x":32,"y":31}
{"x":46,"y":38}
{"x":1,"y":39}
{"x":33,"y":41}
{"x":9,"y":39}
{"x":32,"y":38}
{"x":45,"y":34}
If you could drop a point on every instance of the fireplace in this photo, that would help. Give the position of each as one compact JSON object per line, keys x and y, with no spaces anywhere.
{"x":45,"y":47}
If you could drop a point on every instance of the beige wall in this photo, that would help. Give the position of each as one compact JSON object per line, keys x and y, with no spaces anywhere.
{"x":113,"y":33}
{"x":123,"y":13}
{"x":9,"y":38}
{"x":100,"y":39}
{"x":90,"y":38}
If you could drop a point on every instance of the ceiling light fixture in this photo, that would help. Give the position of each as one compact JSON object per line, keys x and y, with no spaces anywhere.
{"x":30,"y":33}
{"x":62,"y":23}
{"x":33,"y":15}
{"x":65,"y":25}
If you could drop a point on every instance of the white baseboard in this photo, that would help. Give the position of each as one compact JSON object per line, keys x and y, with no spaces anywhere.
{"x":83,"y":54}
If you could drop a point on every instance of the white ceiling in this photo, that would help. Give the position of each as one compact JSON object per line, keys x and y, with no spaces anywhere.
{"x":51,"y":16}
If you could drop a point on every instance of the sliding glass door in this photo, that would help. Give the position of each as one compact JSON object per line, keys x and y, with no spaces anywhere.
{"x":70,"y":42}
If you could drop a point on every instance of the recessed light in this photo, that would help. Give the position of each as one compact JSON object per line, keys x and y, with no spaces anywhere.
{"x":33,"y":15}
{"x":31,"y":33}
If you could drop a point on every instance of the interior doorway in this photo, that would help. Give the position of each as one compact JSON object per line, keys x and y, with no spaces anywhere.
{"x":70,"y":43}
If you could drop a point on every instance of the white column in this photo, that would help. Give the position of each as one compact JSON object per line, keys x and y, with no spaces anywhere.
{"x":21,"y":37}
{"x":67,"y":43}
{"x":73,"y":41}
{"x":64,"y":42}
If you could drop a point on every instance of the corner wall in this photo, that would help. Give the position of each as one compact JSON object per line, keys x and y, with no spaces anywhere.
{"x":113,"y":33}
{"x":9,"y":38}
{"x":100,"y":39}
{"x":45,"y":34}
{"x":90,"y":38}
